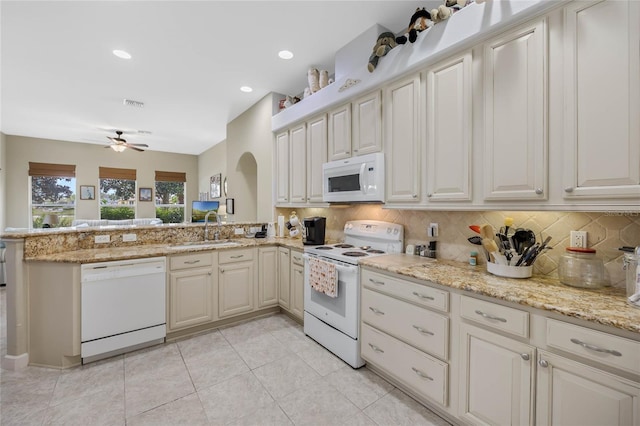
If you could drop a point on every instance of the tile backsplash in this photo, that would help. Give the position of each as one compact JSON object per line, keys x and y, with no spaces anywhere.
{"x":605,"y":231}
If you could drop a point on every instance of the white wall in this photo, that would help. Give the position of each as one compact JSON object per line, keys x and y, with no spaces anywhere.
{"x":87,"y":158}
{"x":3,"y":180}
{"x":211,"y":162}
{"x":251,"y":133}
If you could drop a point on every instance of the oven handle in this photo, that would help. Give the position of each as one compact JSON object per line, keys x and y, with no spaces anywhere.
{"x":340,"y":266}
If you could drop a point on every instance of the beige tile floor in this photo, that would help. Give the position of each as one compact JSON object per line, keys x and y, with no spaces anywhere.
{"x":261,"y":372}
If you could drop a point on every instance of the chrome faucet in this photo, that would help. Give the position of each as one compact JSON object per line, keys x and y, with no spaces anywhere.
{"x":216,"y":235}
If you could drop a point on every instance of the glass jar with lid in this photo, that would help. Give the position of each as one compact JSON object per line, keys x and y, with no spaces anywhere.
{"x":580,"y":267}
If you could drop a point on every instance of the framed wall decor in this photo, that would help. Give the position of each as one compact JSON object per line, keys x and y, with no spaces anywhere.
{"x":215,"y":185}
{"x":145,"y":194}
{"x":87,"y":192}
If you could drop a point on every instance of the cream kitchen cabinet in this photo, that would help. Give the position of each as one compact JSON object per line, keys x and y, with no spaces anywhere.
{"x":449,"y":146}
{"x":297,"y":284}
{"x":402,"y":140}
{"x":316,"y":156}
{"x":571,"y":393}
{"x":284,"y":280}
{"x":192,"y":290}
{"x":237,"y":277}
{"x":267,"y":276}
{"x":515,"y":124}
{"x":602,"y":100}
{"x":298,"y":164}
{"x":282,"y":167}
{"x":356,"y":128}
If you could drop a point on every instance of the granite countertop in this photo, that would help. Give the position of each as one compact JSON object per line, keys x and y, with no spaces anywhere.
{"x":152,"y":250}
{"x":607,"y":306}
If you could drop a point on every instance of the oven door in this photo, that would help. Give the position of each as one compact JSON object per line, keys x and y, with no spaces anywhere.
{"x":339,"y":312}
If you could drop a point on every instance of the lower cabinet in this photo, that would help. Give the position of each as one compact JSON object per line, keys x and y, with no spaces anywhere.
{"x":267,"y":276}
{"x":237,"y":277}
{"x":284,"y":281}
{"x":571,"y":393}
{"x":297,"y":284}
{"x":192,"y":290}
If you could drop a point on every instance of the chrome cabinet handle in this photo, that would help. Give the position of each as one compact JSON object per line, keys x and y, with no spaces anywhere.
{"x":191,"y":262}
{"x":421,"y":374}
{"x":376,"y":311}
{"x":525,"y":357}
{"x":595,"y":348}
{"x":376,"y":349}
{"x":237,"y":256}
{"x":568,"y":189}
{"x":422,"y":296}
{"x":422,"y":330}
{"x":539,"y":191}
{"x":376,"y":281}
{"x":543,"y":363}
{"x":491,"y":317}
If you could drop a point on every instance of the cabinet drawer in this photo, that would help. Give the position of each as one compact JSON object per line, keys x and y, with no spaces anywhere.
{"x":416,"y":326}
{"x":296,"y":258}
{"x":190,"y":261}
{"x":595,"y":345}
{"x":416,"y":293}
{"x":509,"y":320}
{"x":425,"y":375}
{"x":230,"y":256}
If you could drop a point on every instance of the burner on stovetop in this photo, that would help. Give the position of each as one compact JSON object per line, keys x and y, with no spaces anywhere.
{"x":365,"y":248}
{"x":375,"y":251}
{"x":354,"y":253}
{"x":343,"y":245}
{"x":324,"y":248}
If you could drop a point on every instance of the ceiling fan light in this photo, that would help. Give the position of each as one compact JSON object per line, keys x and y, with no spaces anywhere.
{"x":118,"y":148}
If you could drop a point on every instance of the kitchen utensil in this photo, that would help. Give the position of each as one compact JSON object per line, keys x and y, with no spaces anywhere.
{"x":487,"y":231}
{"x":491,"y":247}
{"x":529,"y":253}
{"x":476,"y":239}
{"x":580,"y":267}
{"x":475,"y":228}
{"x":508,"y":222}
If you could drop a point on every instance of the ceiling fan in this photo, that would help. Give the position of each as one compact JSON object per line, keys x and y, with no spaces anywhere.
{"x":119,"y":144}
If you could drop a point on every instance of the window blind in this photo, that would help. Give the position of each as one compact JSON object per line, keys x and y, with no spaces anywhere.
{"x":113,"y":173}
{"x":53,"y":170}
{"x":170,"y":176}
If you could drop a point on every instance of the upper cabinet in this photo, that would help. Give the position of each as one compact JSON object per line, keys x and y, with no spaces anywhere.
{"x":448,"y":153}
{"x":602,"y":99}
{"x":316,"y":156}
{"x":366,"y":124}
{"x":339,"y":134}
{"x":402,"y":119}
{"x":298,"y":164}
{"x":282,"y":167}
{"x":515,"y":123}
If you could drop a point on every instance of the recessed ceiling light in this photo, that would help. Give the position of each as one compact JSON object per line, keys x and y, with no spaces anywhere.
{"x":122,"y":54}
{"x":285,"y":54}
{"x":246,"y":89}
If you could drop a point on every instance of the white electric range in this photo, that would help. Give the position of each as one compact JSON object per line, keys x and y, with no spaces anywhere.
{"x":333,"y":322}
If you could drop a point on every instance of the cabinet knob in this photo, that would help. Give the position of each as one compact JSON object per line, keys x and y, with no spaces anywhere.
{"x":525,"y":357}
{"x":568,"y":189}
{"x":209,"y":273}
{"x":543,"y":363}
{"x":415,"y":195}
{"x":222,"y":270}
{"x":428,"y":195}
{"x":539,"y":191}
{"x":347,"y":152}
{"x":355,"y":150}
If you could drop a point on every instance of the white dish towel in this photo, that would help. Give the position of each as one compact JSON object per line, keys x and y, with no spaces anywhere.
{"x":323,"y":277}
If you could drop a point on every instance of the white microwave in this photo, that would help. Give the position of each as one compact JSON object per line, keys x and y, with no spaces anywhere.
{"x":353,"y":180}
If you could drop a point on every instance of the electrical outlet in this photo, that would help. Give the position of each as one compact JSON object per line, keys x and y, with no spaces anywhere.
{"x":432,"y":230}
{"x":129,"y":237}
{"x":578,"y":239}
{"x":102,"y":239}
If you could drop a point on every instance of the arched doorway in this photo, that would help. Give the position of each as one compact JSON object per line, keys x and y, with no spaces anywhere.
{"x":244,"y":188}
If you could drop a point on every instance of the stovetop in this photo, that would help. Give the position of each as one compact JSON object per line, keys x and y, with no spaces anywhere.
{"x":363,"y":238}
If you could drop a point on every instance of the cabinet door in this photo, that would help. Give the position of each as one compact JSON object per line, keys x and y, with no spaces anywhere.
{"x":282,"y":167}
{"x":602,"y":99}
{"x":235,"y":283}
{"x":267,"y":276}
{"x":496,"y":378}
{"x":515,"y":80}
{"x":298,"y":174}
{"x":570,"y":393}
{"x":191,"y":298}
{"x":449,"y":131}
{"x":402,"y":140}
{"x":366,"y":128}
{"x":316,"y":156}
{"x":284,"y":283}
{"x":297,"y":290}
{"x":339,"y":133}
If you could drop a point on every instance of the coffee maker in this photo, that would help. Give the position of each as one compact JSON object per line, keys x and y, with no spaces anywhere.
{"x":314,"y":228}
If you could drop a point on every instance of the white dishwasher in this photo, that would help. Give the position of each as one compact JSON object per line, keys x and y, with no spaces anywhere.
{"x":122,"y":306}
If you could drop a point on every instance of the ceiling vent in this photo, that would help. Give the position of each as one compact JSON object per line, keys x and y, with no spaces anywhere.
{"x":132,"y":103}
{"x":144,"y":132}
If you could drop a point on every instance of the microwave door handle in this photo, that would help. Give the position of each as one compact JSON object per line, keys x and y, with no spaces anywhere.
{"x":363,"y":166}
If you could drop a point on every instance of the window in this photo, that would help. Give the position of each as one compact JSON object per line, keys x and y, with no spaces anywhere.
{"x":117,"y":193}
{"x":170,"y":188}
{"x":53,"y":194}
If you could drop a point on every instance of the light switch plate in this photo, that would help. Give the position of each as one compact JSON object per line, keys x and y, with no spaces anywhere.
{"x":102,"y":239}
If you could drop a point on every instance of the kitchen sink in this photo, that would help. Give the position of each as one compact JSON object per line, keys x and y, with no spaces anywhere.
{"x":204,"y":244}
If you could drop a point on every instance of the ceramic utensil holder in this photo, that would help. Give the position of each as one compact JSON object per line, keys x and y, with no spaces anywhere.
{"x":509,"y":271}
